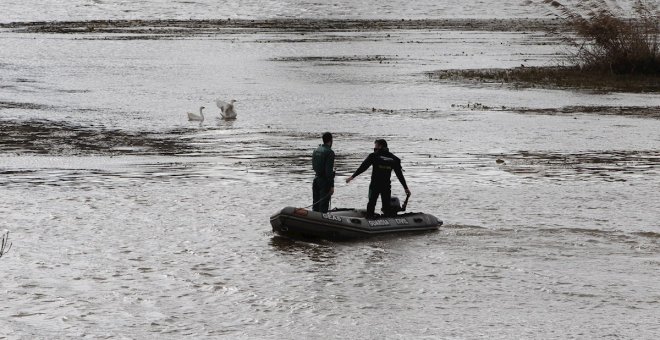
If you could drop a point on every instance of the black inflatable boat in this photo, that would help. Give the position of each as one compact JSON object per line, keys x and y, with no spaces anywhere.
{"x":347,"y":223}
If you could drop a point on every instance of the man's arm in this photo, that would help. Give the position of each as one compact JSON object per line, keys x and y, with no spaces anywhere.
{"x":399,"y":175}
{"x":363,"y":167}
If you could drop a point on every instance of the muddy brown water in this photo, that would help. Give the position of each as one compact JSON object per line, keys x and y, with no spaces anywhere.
{"x":129,"y":221}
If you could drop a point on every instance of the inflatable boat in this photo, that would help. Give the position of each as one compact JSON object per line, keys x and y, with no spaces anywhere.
{"x":344,"y":224}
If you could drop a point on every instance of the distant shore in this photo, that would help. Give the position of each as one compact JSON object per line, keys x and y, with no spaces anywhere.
{"x":545,"y":77}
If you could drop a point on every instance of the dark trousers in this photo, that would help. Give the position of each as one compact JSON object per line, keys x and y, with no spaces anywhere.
{"x":385,"y":192}
{"x":320,"y":195}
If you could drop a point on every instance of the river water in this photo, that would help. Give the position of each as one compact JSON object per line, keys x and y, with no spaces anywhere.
{"x":128,"y":221}
{"x":31,"y":10}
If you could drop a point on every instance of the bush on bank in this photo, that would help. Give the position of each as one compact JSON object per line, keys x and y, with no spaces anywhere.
{"x":609,"y":40}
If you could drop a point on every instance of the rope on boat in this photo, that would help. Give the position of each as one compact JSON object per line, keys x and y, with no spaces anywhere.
{"x":321,"y":199}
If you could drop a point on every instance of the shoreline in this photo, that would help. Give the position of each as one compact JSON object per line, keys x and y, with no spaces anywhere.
{"x":193,"y":27}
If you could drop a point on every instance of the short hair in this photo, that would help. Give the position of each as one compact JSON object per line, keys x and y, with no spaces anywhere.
{"x":381,"y":142}
{"x":327,"y":137}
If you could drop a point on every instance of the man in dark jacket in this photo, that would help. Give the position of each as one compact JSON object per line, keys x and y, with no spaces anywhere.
{"x":323,"y":162}
{"x":383,"y":162}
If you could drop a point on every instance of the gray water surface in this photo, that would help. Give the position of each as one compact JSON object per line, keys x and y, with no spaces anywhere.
{"x":129,"y":221}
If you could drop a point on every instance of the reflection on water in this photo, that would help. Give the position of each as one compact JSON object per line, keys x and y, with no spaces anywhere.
{"x":314,"y":249}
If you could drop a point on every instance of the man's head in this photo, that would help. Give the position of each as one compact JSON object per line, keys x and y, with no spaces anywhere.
{"x":327,"y":138}
{"x":380,"y":144}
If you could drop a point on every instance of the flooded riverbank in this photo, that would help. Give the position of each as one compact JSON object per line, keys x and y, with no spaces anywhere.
{"x":129,"y":221}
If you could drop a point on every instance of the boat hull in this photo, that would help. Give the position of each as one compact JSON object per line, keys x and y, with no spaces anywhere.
{"x":347,"y":223}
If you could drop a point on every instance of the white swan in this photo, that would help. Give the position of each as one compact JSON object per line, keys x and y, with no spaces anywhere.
{"x":196,"y":117}
{"x":226,"y":109}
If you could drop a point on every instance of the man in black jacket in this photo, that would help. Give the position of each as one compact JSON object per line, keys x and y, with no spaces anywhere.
{"x":383,"y":162}
{"x":323,"y":162}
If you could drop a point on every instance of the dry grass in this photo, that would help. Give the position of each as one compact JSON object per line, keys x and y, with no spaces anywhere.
{"x":610,"y":40}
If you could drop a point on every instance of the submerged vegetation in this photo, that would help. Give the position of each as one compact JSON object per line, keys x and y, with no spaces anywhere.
{"x":46,"y":137}
{"x":554,"y":77}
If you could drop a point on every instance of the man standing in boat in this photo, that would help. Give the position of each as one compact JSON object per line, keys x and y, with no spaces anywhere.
{"x":383,"y":162}
{"x":323,"y":162}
